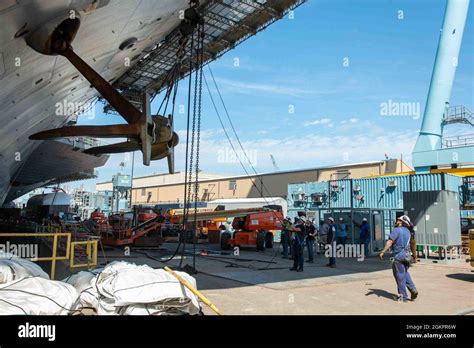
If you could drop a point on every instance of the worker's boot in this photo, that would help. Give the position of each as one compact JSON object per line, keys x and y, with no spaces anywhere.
{"x":414,"y":294}
{"x":293,"y":269}
{"x":402,"y":299}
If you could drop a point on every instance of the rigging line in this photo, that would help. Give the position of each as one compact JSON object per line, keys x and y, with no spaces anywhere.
{"x":170,"y":74}
{"x":242,"y":165}
{"x":227,"y":135}
{"x":198,"y":135}
{"x":171,"y":87}
{"x":237,"y":136}
{"x":192,"y":152}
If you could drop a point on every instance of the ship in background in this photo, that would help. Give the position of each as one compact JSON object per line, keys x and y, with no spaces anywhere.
{"x":34,"y":86}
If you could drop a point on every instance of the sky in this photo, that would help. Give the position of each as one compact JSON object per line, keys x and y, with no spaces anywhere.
{"x":311,"y":89}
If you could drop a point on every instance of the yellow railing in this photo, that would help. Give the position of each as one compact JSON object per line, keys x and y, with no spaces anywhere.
{"x":91,"y":249}
{"x":91,"y":254}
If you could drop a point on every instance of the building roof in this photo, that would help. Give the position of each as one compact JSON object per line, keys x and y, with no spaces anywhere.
{"x":178,"y":177}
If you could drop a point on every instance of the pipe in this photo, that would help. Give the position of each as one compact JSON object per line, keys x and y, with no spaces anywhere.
{"x":443,"y":75}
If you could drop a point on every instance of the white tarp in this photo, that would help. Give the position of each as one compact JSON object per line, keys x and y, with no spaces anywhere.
{"x":126,"y":288}
{"x":121,"y":288}
{"x":26,"y":289}
{"x":37,"y":296}
{"x":13,"y":268}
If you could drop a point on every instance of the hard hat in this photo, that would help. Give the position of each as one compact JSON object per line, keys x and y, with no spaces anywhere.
{"x":331,"y":218}
{"x":341,"y":219}
{"x":364,"y":219}
{"x":405,"y":219}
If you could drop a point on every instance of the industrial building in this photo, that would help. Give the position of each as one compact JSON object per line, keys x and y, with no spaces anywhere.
{"x":166,"y":188}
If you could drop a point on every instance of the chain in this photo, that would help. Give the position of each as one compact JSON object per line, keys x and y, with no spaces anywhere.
{"x":198,"y":136}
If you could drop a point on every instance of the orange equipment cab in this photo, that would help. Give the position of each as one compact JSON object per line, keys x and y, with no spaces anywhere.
{"x":254,"y":229}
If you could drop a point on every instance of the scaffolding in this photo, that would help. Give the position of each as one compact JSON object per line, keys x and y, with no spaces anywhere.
{"x":227,"y":24}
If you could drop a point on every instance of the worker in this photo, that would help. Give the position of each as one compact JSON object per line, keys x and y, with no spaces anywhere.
{"x":285,"y":236}
{"x":399,"y":241}
{"x":330,"y":240}
{"x":310,"y":238}
{"x":364,"y":235}
{"x":341,"y":232}
{"x":298,"y":245}
{"x":414,"y":255}
{"x":323,"y":231}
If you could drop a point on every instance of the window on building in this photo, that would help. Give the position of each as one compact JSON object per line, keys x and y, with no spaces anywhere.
{"x":341,"y":174}
{"x":143,"y":192}
{"x":232,"y":185}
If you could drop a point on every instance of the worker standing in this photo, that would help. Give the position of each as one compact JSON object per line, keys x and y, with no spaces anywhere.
{"x":364,"y":236}
{"x":285,"y":237}
{"x":341,"y":232}
{"x":310,"y":238}
{"x":331,"y":241}
{"x":298,"y":245}
{"x":322,"y":234}
{"x":399,"y":241}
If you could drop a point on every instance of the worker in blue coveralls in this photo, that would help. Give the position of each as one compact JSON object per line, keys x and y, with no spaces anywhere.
{"x":399,"y":241}
{"x":364,"y":236}
{"x":298,"y":244}
{"x":285,"y":236}
{"x":331,"y":242}
{"x":341,"y":232}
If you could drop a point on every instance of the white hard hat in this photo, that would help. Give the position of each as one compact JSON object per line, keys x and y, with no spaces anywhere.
{"x":405,"y":219}
{"x":331,"y":218}
{"x":364,"y":219}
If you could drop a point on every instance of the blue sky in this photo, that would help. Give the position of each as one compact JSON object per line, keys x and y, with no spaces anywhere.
{"x":334,"y":63}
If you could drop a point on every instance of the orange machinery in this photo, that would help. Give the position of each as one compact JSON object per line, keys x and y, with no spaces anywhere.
{"x":125,"y":228}
{"x":253,"y":229}
{"x":146,"y":214}
{"x":97,"y":215}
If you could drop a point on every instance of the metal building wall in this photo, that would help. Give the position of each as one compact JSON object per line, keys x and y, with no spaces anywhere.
{"x":384,"y":192}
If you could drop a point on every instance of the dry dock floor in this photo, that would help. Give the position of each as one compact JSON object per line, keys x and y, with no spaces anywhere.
{"x":260,"y":283}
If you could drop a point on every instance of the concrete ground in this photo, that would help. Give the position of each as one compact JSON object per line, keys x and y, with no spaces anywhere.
{"x":261,"y":283}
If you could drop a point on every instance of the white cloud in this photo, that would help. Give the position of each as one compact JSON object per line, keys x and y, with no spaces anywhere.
{"x":282,"y":88}
{"x":352,"y":120}
{"x":296,"y":151}
{"x":322,"y":121}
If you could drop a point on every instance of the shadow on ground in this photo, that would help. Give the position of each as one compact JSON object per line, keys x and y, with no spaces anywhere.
{"x":381,"y":293}
{"x":267,"y":268}
{"x":462,"y":276}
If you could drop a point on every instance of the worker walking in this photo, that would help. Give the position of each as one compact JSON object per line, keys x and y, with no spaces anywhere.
{"x":341,"y":232}
{"x":299,"y":232}
{"x":310,"y":238}
{"x":331,"y":241}
{"x":399,"y":241}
